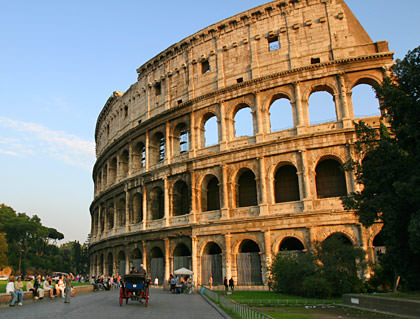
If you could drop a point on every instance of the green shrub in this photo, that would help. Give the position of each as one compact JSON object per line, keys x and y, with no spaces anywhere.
{"x":316,"y":286}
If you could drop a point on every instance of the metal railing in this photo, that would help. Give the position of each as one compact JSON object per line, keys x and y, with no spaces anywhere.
{"x":241,"y":310}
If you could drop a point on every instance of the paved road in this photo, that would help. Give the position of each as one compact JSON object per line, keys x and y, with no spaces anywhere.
{"x":105,"y":304}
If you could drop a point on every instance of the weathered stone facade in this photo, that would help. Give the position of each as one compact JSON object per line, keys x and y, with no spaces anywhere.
{"x":165,"y":198}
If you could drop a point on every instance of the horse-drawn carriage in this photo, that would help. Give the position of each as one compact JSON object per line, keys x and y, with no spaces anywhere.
{"x":135,"y":287}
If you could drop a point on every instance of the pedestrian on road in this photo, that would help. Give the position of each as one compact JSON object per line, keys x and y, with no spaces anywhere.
{"x":231,"y":284}
{"x":67,"y":290}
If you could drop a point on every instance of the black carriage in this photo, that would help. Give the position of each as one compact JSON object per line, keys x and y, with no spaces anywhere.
{"x":135,"y":287}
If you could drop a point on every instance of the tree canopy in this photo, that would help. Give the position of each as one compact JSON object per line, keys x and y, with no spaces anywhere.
{"x":27,"y":245}
{"x":388,"y":168}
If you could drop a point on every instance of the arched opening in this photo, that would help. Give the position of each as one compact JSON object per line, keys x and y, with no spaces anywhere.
{"x":339,"y":237}
{"x":102,"y":220}
{"x":99,"y":181}
{"x":110,"y":216}
{"x":379,"y":246}
{"x":105,"y":177}
{"x":113,"y":170}
{"x":281,"y":114}
{"x":247,"y":189}
{"x":248,"y":264}
{"x":156,"y":203}
{"x":110,"y":264}
{"x":157,"y":264}
{"x":365,"y":102}
{"x":182,"y":257}
{"x":286,"y":184}
{"x":121,"y":212}
{"x":181,"y":139}
{"x":136,"y":215}
{"x":291,"y":244}
{"x":136,"y":258}
{"x":157,"y":148}
{"x":210,"y":196}
{"x":321,"y":107}
{"x":330,"y":179}
{"x":121,"y":263}
{"x":139,"y":156}
{"x":243,"y":122}
{"x":101,"y":264}
{"x":211,"y":264}
{"x":181,"y":198}
{"x":210,"y":130}
{"x":124,"y":158}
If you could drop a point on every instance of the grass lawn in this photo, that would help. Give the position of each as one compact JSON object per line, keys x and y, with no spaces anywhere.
{"x":3,"y":284}
{"x":257,"y":298}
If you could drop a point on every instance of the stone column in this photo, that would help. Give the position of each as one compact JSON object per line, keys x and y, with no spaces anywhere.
{"x":263,"y":187}
{"x":225,"y":206}
{"x":115,"y":216}
{"x":193,"y":135}
{"x":166,"y":200}
{"x":301,"y":113}
{"x":228,"y":243}
{"x":195,"y":257}
{"x":127,"y":208}
{"x":168,"y":143}
{"x":144,"y":257}
{"x":167,"y":258}
{"x":305,"y":187}
{"x":268,"y":251}
{"x":144,"y":203}
{"x":194,"y":197}
{"x":127,"y":261}
{"x":147,"y":148}
{"x":99,"y":232}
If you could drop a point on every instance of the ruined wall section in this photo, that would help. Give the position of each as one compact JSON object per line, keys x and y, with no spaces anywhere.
{"x":236,"y":50}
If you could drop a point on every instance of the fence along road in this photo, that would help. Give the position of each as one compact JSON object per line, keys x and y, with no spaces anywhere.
{"x":162,"y":305}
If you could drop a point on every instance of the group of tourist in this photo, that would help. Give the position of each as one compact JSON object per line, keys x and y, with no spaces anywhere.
{"x":39,"y":286}
{"x":181,"y":285}
{"x":227,"y":285}
{"x":105,"y":282}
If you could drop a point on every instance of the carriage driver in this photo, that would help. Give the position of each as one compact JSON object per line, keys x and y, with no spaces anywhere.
{"x":142,"y":271}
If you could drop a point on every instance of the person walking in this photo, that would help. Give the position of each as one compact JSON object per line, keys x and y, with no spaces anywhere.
{"x":225,"y":283}
{"x":231,"y":284}
{"x":67,"y":289}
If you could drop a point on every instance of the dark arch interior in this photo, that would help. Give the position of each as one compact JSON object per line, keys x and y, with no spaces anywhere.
{"x":291,"y":243}
{"x":339,"y":237}
{"x":121,"y":255}
{"x":330,"y":179}
{"x":247,"y":189}
{"x":181,"y":250}
{"x":379,"y":240}
{"x":212,"y":249}
{"x":213,"y":202}
{"x":156,"y":252}
{"x":286,"y":184}
{"x":248,"y":246}
{"x":157,"y":203}
{"x":136,"y":254}
{"x":181,"y":202}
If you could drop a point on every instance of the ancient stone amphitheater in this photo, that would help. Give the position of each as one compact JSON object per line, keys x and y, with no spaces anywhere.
{"x":213,"y":161}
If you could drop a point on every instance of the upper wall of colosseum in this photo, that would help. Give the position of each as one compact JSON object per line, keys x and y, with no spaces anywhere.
{"x":272,"y":38}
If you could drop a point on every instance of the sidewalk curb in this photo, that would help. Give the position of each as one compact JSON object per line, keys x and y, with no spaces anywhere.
{"x":218,"y":309}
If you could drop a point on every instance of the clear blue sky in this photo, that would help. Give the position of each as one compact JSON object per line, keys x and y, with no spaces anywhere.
{"x":61,"y":60}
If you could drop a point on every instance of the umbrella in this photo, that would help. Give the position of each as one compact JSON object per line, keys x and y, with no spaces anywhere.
{"x":183,"y":271}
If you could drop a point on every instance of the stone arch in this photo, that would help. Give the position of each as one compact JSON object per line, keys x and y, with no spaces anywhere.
{"x":139,"y":156}
{"x":121,"y":212}
{"x":181,"y":257}
{"x":124,"y":163}
{"x":156,"y":203}
{"x":246,"y":188}
{"x":102,"y":220}
{"x":291,"y":244}
{"x":341,"y":236}
{"x":181,"y":201}
{"x":157,"y":264}
{"x":248,"y":263}
{"x":157,"y":148}
{"x":210,"y":193}
{"x":321,"y":104}
{"x":105,"y":176}
{"x":101,"y":264}
{"x":209,"y":130}
{"x":330,"y":178}
{"x":378,"y":244}
{"x":211,"y":264}
{"x":136,"y":215}
{"x":136,"y":258}
{"x":286,"y":183}
{"x":281,"y":113}
{"x":121,"y":263}
{"x":113,"y":170}
{"x":243,"y":120}
{"x":364,"y":100}
{"x":110,"y":215}
{"x":180,"y":139}
{"x":110,"y":264}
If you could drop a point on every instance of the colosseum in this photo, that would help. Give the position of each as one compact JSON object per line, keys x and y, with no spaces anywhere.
{"x":213,"y":159}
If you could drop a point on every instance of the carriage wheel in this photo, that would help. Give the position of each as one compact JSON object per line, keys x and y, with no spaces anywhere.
{"x":121,"y":297}
{"x":147,"y":297}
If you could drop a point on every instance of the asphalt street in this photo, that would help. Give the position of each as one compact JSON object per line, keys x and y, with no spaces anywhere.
{"x":105,"y":304}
